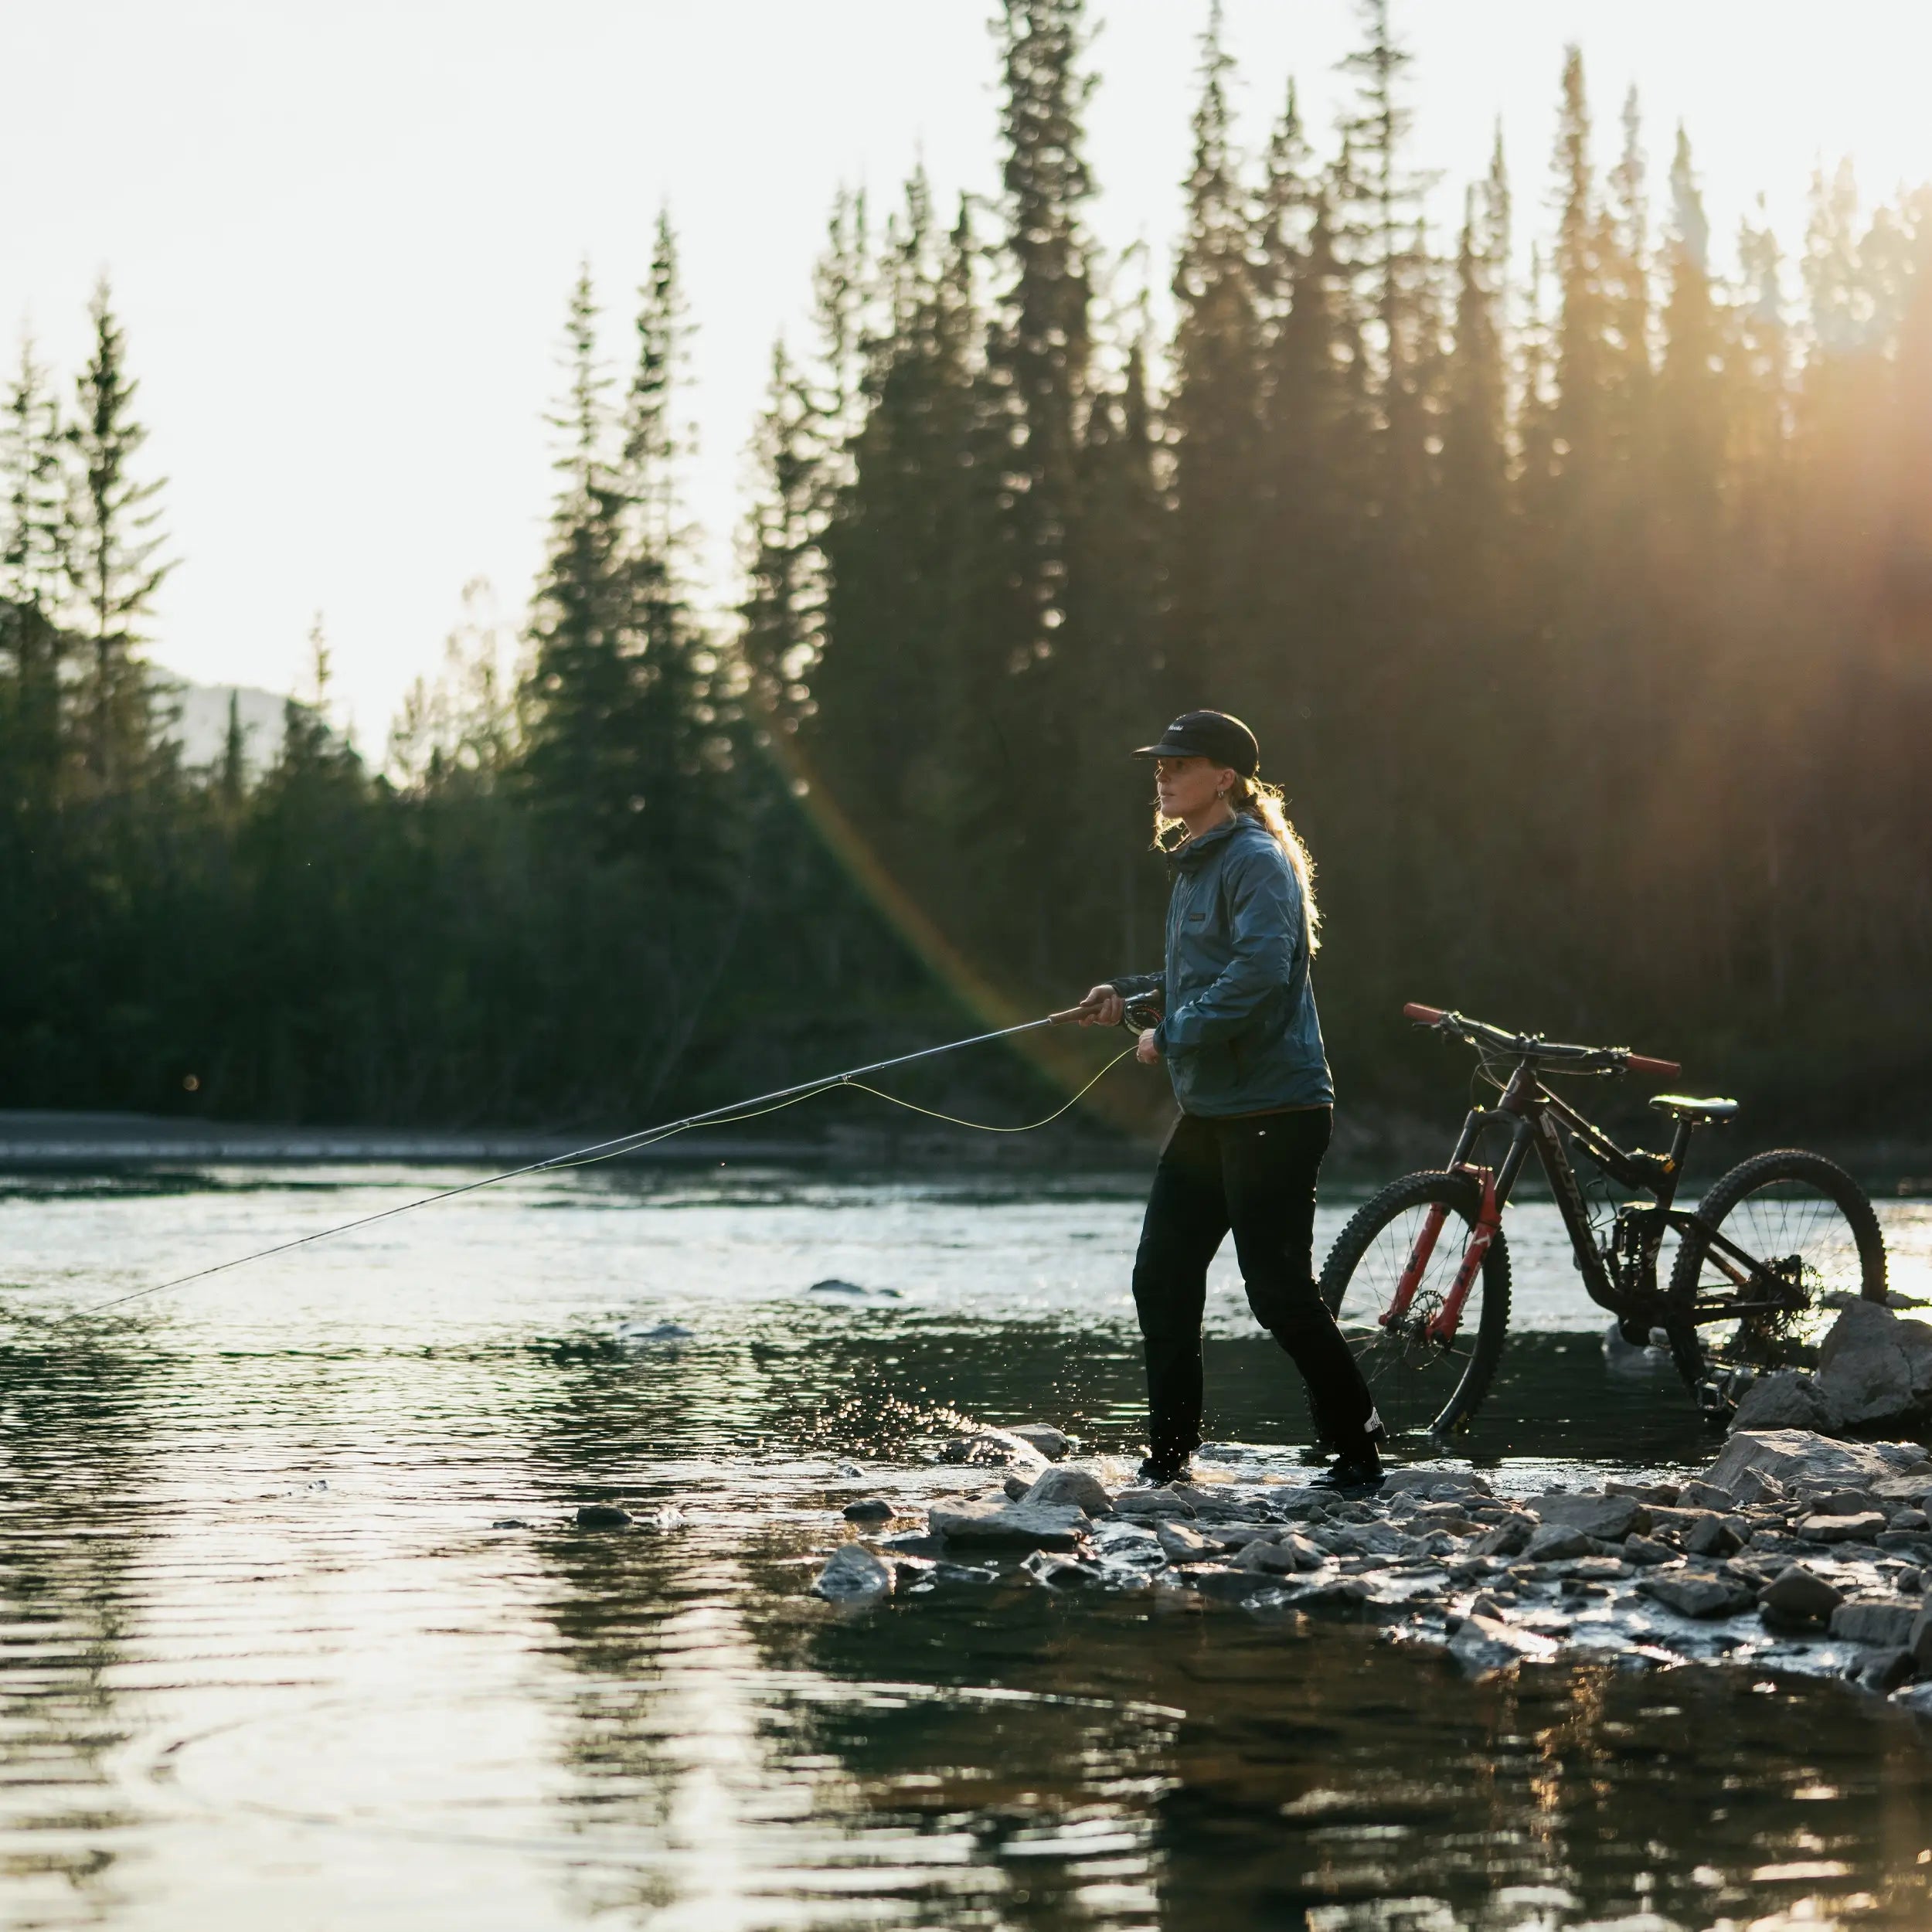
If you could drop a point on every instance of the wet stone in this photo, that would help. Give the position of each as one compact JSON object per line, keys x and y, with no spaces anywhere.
{"x":1798,"y":1597}
{"x":1010,"y":1525}
{"x":1641,"y":1550}
{"x":1061,"y":1572}
{"x":1506,"y":1539}
{"x":853,"y":1576}
{"x":915,"y":1543}
{"x":1555,"y":1542}
{"x":1887,"y":1624}
{"x":1061,"y":1487}
{"x":1715,"y":1535}
{"x":1692,"y":1595}
{"x":1043,"y":1436}
{"x":1151,"y":1503}
{"x":1860,"y":1528}
{"x":604,"y":1515}
{"x":1608,"y":1518}
{"x":874,"y":1509}
{"x":1183,"y":1544}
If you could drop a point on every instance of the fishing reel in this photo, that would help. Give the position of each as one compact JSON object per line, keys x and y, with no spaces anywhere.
{"x":1141,"y":1012}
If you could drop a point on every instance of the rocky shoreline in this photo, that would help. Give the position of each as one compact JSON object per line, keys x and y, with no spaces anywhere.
{"x":1795,"y":1552}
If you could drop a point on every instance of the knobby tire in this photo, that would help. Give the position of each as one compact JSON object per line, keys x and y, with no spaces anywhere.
{"x":1405,"y":1389}
{"x":1772,"y":1348}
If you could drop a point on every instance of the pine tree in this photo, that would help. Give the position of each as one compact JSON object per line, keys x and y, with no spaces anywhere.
{"x":1689,"y":389}
{"x":1624,"y":254}
{"x":578,"y":762}
{"x":114,"y":563}
{"x":1382,"y":216}
{"x":1580,"y":373}
{"x":676,"y":727}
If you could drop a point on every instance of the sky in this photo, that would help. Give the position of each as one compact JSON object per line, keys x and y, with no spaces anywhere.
{"x":341,"y":235}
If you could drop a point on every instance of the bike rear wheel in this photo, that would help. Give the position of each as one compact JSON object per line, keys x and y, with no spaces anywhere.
{"x":1421,"y":1387}
{"x":1810,"y":1227}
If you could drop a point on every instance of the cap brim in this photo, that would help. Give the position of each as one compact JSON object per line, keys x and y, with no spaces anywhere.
{"x":1162,"y":750}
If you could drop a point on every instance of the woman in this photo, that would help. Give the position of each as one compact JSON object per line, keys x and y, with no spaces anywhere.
{"x":1243,"y":1051}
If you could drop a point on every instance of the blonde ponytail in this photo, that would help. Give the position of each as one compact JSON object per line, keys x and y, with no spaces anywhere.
{"x":1256,"y":798}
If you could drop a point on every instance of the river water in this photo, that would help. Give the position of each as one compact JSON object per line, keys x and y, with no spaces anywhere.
{"x":266,"y":1661}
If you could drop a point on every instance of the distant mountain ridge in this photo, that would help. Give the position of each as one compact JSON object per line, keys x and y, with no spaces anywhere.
{"x":201,"y":729}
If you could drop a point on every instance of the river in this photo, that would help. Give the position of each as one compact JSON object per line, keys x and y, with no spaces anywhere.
{"x":268,"y":1662}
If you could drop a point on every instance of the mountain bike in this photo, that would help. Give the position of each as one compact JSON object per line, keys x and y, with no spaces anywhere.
{"x":1419,"y":1280}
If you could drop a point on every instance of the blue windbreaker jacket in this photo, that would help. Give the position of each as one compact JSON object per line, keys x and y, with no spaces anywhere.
{"x":1239,"y":1034}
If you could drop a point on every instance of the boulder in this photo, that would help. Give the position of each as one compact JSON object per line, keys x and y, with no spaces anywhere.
{"x":1884,"y":1622}
{"x":1641,"y":1550}
{"x":1608,"y":1518}
{"x":1063,"y":1485}
{"x":872,"y":1509}
{"x":1841,"y":1529}
{"x":1796,"y":1455}
{"x":1694,"y":1595}
{"x":1010,"y":1525}
{"x":1555,"y":1542}
{"x":1044,"y":1437}
{"x":1864,"y":1373}
{"x":1919,"y":1641}
{"x":1782,"y":1400}
{"x":854,"y":1576}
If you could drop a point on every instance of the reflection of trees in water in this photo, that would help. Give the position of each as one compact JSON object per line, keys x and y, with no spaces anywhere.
{"x":75,"y":1407}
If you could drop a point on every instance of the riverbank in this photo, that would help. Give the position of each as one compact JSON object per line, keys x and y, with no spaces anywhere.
{"x":1370,"y":1145}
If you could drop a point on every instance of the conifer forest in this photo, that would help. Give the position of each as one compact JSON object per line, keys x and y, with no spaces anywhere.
{"x":1574,"y":569}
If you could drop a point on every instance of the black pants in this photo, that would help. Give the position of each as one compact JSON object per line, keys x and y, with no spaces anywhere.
{"x":1258,"y":1177}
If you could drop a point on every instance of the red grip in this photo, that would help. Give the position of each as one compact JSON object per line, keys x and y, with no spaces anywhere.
{"x":1643,"y":1063}
{"x":1425,"y":1015}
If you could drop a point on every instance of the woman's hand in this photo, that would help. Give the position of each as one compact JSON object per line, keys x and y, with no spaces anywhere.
{"x":1147,"y":1050}
{"x":1102,"y":1007}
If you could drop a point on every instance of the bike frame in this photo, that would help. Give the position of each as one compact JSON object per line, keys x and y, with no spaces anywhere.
{"x":1535,"y":1118}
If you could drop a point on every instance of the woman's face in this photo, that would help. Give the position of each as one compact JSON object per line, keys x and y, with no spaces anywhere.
{"x":1186,"y":787}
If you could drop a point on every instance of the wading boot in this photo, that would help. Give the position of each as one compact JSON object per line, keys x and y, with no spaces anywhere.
{"x":1158,"y":1471}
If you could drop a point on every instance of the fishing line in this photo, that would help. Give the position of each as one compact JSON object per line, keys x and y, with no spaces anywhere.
{"x":774,"y":1102}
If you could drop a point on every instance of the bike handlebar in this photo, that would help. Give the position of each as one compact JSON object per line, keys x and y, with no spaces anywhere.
{"x":1533,"y":1046}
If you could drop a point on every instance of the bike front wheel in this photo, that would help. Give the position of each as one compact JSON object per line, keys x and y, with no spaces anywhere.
{"x":1811,"y":1231}
{"x":1422,"y":1386}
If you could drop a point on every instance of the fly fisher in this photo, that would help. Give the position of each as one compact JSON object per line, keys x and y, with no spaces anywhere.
{"x":1239,"y":1036}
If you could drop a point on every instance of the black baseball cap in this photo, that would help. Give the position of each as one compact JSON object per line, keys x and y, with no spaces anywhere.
{"x":1208,"y":734}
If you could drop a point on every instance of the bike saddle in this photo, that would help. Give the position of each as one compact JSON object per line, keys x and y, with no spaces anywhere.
{"x":1685,"y":1108}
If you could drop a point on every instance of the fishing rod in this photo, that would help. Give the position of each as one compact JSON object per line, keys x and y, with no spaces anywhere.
{"x":597,"y":1151}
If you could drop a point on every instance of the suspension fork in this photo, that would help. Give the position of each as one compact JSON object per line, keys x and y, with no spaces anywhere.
{"x":1442,"y":1328}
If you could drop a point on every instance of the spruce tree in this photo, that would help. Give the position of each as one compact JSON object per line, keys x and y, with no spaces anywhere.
{"x":578,"y":762}
{"x":113,"y":564}
{"x":1690,"y":387}
{"x":1580,"y":373}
